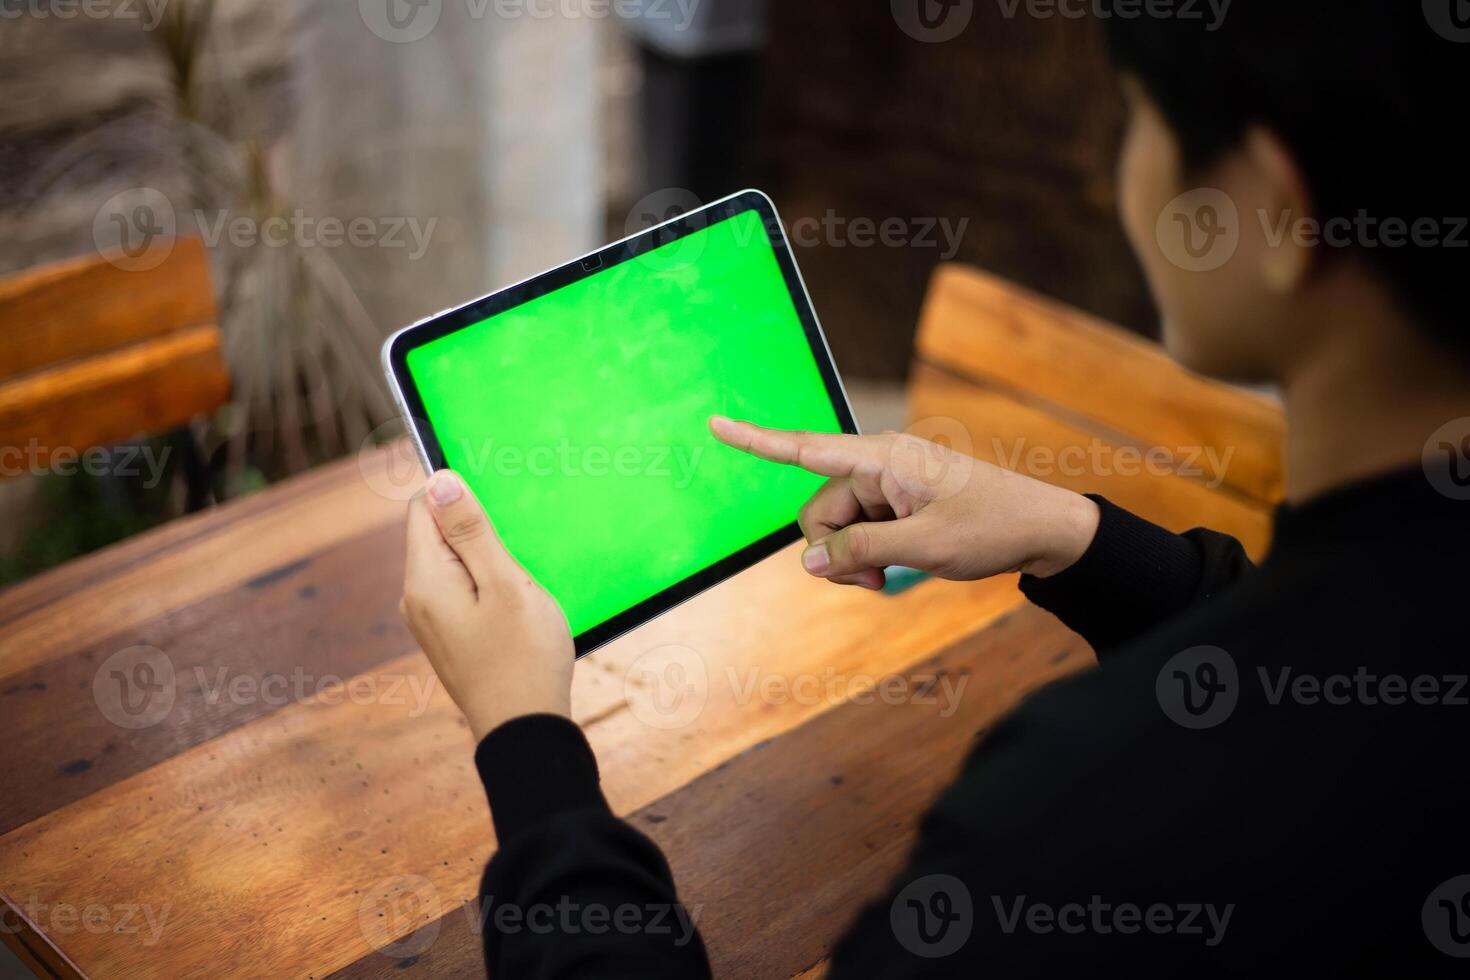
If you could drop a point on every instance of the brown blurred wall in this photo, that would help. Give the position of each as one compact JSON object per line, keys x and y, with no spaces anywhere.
{"x":1014,"y":124}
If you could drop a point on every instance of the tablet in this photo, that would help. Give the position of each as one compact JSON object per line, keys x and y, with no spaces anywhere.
{"x":576,"y":406}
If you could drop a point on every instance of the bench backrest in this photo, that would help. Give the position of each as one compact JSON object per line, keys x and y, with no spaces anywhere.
{"x":92,"y":352}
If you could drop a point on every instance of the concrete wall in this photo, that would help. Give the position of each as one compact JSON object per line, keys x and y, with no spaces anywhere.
{"x":486,"y":125}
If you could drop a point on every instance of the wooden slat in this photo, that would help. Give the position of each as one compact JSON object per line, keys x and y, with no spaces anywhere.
{"x":150,"y":387}
{"x":1067,"y":362}
{"x":271,"y":833}
{"x":334,"y":614}
{"x":830,"y":808}
{"x":326,"y":484}
{"x":1006,"y":432}
{"x":89,"y":306}
{"x":220,"y":555}
{"x":22,"y":937}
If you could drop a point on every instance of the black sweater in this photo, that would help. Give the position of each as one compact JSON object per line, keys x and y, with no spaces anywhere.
{"x":1268,"y":769}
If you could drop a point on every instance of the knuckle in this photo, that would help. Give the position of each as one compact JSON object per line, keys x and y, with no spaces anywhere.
{"x":859,"y":544}
{"x":916,"y":447}
{"x":464,"y":528}
{"x":891,"y":451}
{"x":801,"y":458}
{"x":415,"y":606}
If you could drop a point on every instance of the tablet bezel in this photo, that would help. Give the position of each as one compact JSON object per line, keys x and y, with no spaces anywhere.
{"x":410,"y":404}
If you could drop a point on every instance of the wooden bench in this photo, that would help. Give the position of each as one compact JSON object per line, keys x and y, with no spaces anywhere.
{"x":92,"y":353}
{"x":1065,"y":397}
{"x":341,"y":836}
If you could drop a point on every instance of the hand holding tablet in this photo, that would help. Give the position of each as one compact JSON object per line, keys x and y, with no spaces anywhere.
{"x":455,"y":565}
{"x":576,"y":408}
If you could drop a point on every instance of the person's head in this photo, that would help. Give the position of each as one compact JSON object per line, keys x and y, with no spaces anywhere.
{"x":1291,"y":158}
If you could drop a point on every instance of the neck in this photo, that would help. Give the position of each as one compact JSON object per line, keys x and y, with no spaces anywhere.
{"x":1366,"y":402}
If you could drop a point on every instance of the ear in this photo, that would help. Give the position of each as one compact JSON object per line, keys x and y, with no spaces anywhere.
{"x":1286,"y":260}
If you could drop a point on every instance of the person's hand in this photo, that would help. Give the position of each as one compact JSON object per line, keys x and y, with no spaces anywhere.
{"x":900,"y":500}
{"x":498,"y":642}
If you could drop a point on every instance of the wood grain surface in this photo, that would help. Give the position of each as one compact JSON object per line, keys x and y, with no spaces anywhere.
{"x":831,"y":808}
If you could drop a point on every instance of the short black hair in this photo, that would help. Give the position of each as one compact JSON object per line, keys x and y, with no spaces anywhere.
{"x":1369,"y":96}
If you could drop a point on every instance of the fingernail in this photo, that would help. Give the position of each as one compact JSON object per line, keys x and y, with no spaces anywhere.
{"x":445,"y":488}
{"x":816,"y":559}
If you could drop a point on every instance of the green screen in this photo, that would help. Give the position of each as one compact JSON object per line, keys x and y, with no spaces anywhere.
{"x":580,"y":419}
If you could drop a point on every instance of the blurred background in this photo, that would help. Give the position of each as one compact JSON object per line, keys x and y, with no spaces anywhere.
{"x":227,"y":205}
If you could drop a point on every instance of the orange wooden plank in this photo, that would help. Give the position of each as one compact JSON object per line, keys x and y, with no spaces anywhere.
{"x":286,"y":524}
{"x":149,"y":387}
{"x":1069,"y":363}
{"x":31,"y":946}
{"x":89,"y":306}
{"x":998,"y":429}
{"x":380,"y":466}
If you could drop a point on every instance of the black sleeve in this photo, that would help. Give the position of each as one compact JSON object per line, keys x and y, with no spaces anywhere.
{"x":1135,"y":576}
{"x":572,"y":891}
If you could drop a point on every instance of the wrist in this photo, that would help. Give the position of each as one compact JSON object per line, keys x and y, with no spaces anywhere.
{"x":484,"y":719}
{"x":1067,"y":529}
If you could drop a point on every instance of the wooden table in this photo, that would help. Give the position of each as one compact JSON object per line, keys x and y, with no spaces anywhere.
{"x":266,"y":821}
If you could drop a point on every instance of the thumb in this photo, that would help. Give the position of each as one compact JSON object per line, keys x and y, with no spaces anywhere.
{"x":862,"y":546}
{"x":464,"y":526}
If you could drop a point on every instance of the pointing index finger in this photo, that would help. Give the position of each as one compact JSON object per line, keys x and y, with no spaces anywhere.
{"x":815,"y":452}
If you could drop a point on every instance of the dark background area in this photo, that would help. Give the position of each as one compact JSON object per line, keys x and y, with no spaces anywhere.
{"x":1014,"y":125}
